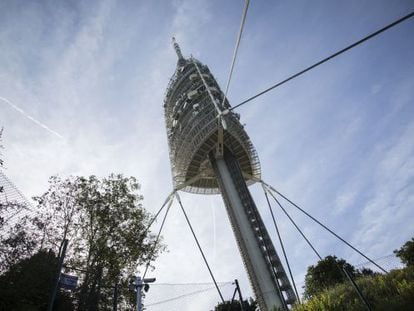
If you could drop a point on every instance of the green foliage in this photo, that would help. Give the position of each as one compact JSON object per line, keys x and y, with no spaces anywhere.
{"x":28,"y":283}
{"x":16,"y":242}
{"x":406,"y":253}
{"x":248,"y":305}
{"x":106,"y":226}
{"x":325,"y":274}
{"x":114,"y":240}
{"x":392,"y":291}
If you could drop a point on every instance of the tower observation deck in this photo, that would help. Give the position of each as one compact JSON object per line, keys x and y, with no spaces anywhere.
{"x":211,"y":153}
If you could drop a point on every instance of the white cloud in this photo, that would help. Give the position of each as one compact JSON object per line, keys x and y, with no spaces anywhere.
{"x":392,"y":194}
{"x":332,"y":140}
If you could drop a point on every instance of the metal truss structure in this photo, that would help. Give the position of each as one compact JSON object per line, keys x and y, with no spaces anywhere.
{"x":192,"y":129}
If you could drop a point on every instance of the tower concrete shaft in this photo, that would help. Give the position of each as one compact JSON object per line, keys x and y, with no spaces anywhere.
{"x":262,"y":263}
{"x":193,"y":105}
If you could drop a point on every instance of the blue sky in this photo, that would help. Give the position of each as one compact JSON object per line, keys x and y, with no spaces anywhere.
{"x":338,"y":140}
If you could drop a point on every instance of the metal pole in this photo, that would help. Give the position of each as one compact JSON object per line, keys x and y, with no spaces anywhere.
{"x":115,"y":300}
{"x":357,"y":289}
{"x":232,"y":300}
{"x":60,"y":264}
{"x":240,"y":294}
{"x":138,"y":284}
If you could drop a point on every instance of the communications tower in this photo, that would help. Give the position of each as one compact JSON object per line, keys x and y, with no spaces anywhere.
{"x":211,"y":153}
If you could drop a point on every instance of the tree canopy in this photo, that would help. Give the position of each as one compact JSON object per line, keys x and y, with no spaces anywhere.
{"x":27,"y":284}
{"x":326,"y":273}
{"x":106,"y":226}
{"x":384,"y":292}
{"x":325,"y":288}
{"x":406,"y":253}
{"x":248,"y":305}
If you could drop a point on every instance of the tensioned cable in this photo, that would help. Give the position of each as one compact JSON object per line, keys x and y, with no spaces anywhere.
{"x":232,"y":298}
{"x":159,"y":211}
{"x":183,"y":296}
{"x":158,"y":237}
{"x":13,"y":191}
{"x":326,"y":228}
{"x":199,"y":247}
{"x":390,"y":256}
{"x":361,"y":264}
{"x":361,"y":296}
{"x":13,"y":202}
{"x":236,"y":49}
{"x":296,"y":226}
{"x":190,"y":284}
{"x":213,"y":101}
{"x":268,"y":257}
{"x":326,"y":59}
{"x":281,"y":244}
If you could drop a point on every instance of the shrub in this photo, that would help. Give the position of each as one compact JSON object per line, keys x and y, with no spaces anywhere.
{"x":392,"y":291}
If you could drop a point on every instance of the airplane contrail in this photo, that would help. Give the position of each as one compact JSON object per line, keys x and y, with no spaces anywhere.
{"x":31,"y":118}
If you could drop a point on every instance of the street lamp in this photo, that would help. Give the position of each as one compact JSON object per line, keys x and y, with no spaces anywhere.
{"x":138,"y":284}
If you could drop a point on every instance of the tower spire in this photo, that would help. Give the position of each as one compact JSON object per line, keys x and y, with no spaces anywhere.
{"x":177,"y":50}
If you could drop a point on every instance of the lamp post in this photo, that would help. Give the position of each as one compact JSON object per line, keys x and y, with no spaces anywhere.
{"x":137,"y":284}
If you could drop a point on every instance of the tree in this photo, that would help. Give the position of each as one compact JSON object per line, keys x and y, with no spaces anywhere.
{"x":384,"y":292}
{"x":406,"y":253}
{"x":106,"y":226}
{"x":248,"y":305}
{"x":366,"y":272}
{"x":326,"y":273}
{"x":29,"y":233}
{"x":27,"y":284}
{"x":105,"y":223}
{"x":16,"y":243}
